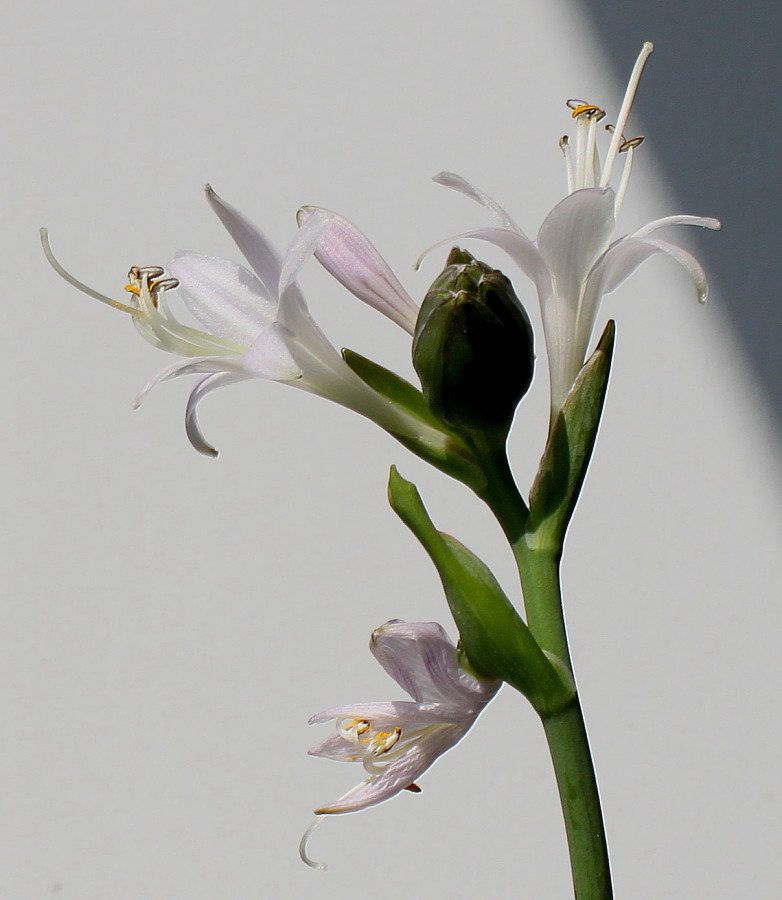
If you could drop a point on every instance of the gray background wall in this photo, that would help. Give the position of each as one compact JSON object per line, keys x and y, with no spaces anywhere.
{"x":171,"y":622}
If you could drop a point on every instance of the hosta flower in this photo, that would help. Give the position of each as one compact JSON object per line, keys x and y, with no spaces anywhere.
{"x":396,"y":742}
{"x":256,"y":324}
{"x":573,"y":262}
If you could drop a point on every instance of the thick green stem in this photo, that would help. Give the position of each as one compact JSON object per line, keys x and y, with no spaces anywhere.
{"x":569,"y":748}
{"x":565,"y":730}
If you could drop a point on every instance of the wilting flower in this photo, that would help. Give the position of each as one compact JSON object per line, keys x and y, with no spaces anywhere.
{"x":257,"y":324}
{"x":398,"y":741}
{"x":573,"y":262}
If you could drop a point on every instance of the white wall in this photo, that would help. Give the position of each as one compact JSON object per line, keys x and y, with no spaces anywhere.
{"x":171,"y":622}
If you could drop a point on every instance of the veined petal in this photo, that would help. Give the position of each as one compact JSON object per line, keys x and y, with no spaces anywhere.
{"x":573,"y":235}
{"x":395,"y":777}
{"x":226,"y":298}
{"x":205,"y":386}
{"x":391,"y":712}
{"x":347,"y":254}
{"x":420,"y":657}
{"x":457,"y":183}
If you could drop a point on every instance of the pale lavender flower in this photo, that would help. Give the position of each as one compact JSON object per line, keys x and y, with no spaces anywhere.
{"x":397,"y":741}
{"x":256,"y":324}
{"x":573,"y":262}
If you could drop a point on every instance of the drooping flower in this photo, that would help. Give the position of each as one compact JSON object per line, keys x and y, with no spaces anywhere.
{"x":396,"y":742}
{"x":257,"y":324}
{"x":573,"y":262}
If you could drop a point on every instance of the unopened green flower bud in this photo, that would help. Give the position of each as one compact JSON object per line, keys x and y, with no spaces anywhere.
{"x":473,"y":345}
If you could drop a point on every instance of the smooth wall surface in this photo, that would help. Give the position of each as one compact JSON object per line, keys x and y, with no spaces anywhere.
{"x":170,"y":622}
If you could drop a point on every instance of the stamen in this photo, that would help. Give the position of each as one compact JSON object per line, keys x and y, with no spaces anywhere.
{"x":624,"y":111}
{"x":624,"y":181}
{"x":63,"y":273}
{"x":320,"y":866}
{"x":383,"y":741}
{"x":564,"y":146}
{"x":631,"y":143}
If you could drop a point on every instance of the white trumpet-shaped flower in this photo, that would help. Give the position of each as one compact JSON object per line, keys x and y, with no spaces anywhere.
{"x":573,"y":262}
{"x":396,"y":742}
{"x":256,"y":324}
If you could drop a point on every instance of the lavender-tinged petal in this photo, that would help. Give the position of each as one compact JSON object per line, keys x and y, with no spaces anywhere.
{"x":336,"y":747}
{"x":457,"y":183}
{"x":572,"y":237}
{"x":702,"y":221}
{"x":263,"y":258}
{"x":397,"y":775}
{"x":205,"y":386}
{"x":226,"y":298}
{"x":269,"y":356}
{"x":420,"y":657}
{"x":391,"y":712}
{"x":347,"y":254}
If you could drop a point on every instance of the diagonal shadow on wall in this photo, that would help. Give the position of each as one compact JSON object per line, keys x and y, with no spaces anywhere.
{"x":710,"y":108}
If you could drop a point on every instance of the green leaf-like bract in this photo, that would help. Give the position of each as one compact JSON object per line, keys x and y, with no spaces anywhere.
{"x":566,"y":457}
{"x":497,"y":642}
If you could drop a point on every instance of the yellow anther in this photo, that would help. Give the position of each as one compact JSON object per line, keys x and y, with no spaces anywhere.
{"x":588,"y":110}
{"x":383,"y":741}
{"x":133,"y":289}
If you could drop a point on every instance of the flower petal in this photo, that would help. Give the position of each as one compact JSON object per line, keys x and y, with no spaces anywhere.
{"x":573,"y":235}
{"x":457,"y":183}
{"x":270,"y":357}
{"x":259,"y":253}
{"x":384,"y":712}
{"x":420,"y":657}
{"x":702,"y":221}
{"x":347,"y":254}
{"x":226,"y":298}
{"x":205,"y":386}
{"x":192,"y":366}
{"x":398,"y":774}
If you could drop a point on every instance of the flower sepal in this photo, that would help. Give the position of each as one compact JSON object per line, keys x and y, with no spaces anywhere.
{"x":451,"y":455}
{"x":496,"y":641}
{"x":569,"y":448}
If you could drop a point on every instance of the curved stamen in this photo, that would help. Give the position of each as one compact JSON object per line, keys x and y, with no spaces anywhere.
{"x":79,"y":285}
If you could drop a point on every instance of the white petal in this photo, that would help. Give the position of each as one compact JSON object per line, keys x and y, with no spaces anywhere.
{"x":205,"y":386}
{"x":269,"y":356}
{"x":520,"y":249}
{"x":257,"y":250}
{"x":702,"y":221}
{"x":193,"y":366}
{"x":573,"y":235}
{"x":347,"y":254}
{"x":391,"y":712}
{"x":457,"y":183}
{"x":688,"y":262}
{"x":420,"y":657}
{"x":226,"y":298}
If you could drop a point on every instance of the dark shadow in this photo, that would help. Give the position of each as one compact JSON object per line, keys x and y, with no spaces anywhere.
{"x":708,"y":105}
